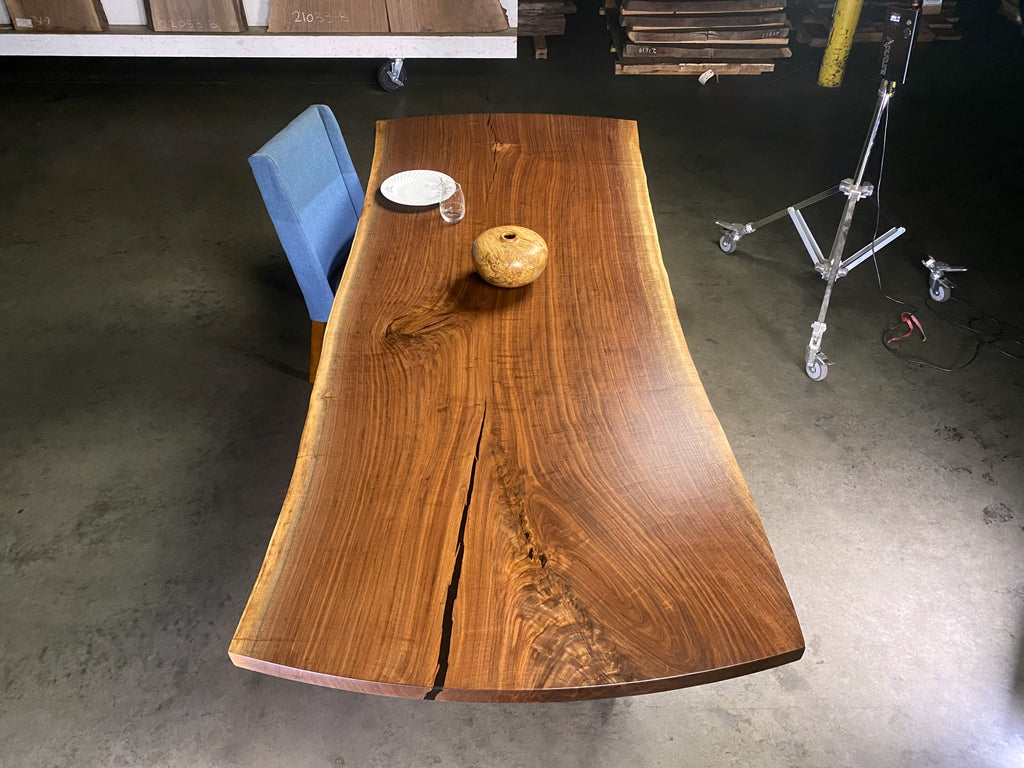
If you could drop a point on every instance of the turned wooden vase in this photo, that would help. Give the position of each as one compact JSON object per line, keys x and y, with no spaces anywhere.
{"x":509,"y":256}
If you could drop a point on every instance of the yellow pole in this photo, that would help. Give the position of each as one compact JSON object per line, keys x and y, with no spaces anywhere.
{"x":840,"y":40}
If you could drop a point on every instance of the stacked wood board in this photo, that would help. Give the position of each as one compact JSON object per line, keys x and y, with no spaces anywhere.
{"x":812,"y":20}
{"x":57,"y":15}
{"x":397,"y":17}
{"x":691,"y":37}
{"x":540,"y":18}
{"x":543,"y":17}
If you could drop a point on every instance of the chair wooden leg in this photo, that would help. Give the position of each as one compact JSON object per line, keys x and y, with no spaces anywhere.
{"x":316,"y":343}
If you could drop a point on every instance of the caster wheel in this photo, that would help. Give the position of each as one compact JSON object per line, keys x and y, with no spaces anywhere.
{"x":939,"y":292}
{"x":727,"y":243}
{"x":816,"y":370}
{"x":386,"y":81}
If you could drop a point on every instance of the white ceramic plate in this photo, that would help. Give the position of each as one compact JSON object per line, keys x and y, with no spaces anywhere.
{"x":418,"y":187}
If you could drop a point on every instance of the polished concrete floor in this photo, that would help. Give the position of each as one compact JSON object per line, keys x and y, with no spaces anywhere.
{"x":154,"y":342}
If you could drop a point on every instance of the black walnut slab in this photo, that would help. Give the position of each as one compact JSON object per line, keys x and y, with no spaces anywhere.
{"x":514,"y":494}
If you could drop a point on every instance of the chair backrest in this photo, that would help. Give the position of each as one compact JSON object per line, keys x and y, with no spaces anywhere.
{"x":314,"y":199}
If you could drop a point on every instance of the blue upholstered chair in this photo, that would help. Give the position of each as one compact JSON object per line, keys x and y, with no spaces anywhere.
{"x":314,"y":199}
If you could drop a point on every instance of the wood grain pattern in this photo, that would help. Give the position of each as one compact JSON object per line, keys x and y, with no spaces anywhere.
{"x":57,"y":15}
{"x":196,"y":15}
{"x":540,"y":18}
{"x":306,"y":17}
{"x":513,"y":495}
{"x":699,"y":7}
{"x":411,"y":17}
{"x":777,"y":36}
{"x":731,"y":21}
{"x":316,"y":345}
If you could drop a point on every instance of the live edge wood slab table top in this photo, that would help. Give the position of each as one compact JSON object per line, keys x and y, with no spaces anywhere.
{"x":513,"y":494}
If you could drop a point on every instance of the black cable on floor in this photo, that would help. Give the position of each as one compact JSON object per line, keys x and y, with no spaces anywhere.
{"x":982,"y":340}
{"x":878,"y":217}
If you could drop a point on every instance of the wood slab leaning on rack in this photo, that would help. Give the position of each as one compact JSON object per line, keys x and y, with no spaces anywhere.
{"x":438,"y":17}
{"x":328,"y":16}
{"x":196,"y":15}
{"x":513,"y":494}
{"x":396,"y":17}
{"x":57,"y":15}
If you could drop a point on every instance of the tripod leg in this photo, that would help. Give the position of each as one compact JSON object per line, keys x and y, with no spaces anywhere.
{"x":816,"y":364}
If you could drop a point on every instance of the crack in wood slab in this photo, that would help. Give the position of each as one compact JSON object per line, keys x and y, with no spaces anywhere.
{"x":453,"y":586}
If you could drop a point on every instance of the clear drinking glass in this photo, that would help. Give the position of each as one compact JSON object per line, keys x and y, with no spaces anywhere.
{"x":454,"y":207}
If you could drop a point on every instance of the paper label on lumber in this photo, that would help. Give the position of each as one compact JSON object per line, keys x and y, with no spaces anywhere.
{"x":57,"y":15}
{"x":196,"y":15}
{"x":328,"y":17}
{"x":414,"y":17}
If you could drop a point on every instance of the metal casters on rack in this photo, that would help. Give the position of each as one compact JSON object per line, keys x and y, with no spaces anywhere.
{"x":392,"y":75}
{"x":939,"y":288}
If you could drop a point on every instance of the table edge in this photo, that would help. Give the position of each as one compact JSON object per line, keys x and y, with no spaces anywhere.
{"x":517,"y":695}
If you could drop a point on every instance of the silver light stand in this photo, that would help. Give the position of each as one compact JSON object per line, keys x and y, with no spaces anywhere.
{"x":897,"y":44}
{"x":834,"y":267}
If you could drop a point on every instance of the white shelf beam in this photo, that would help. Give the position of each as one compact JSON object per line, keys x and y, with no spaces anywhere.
{"x":259,"y":44}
